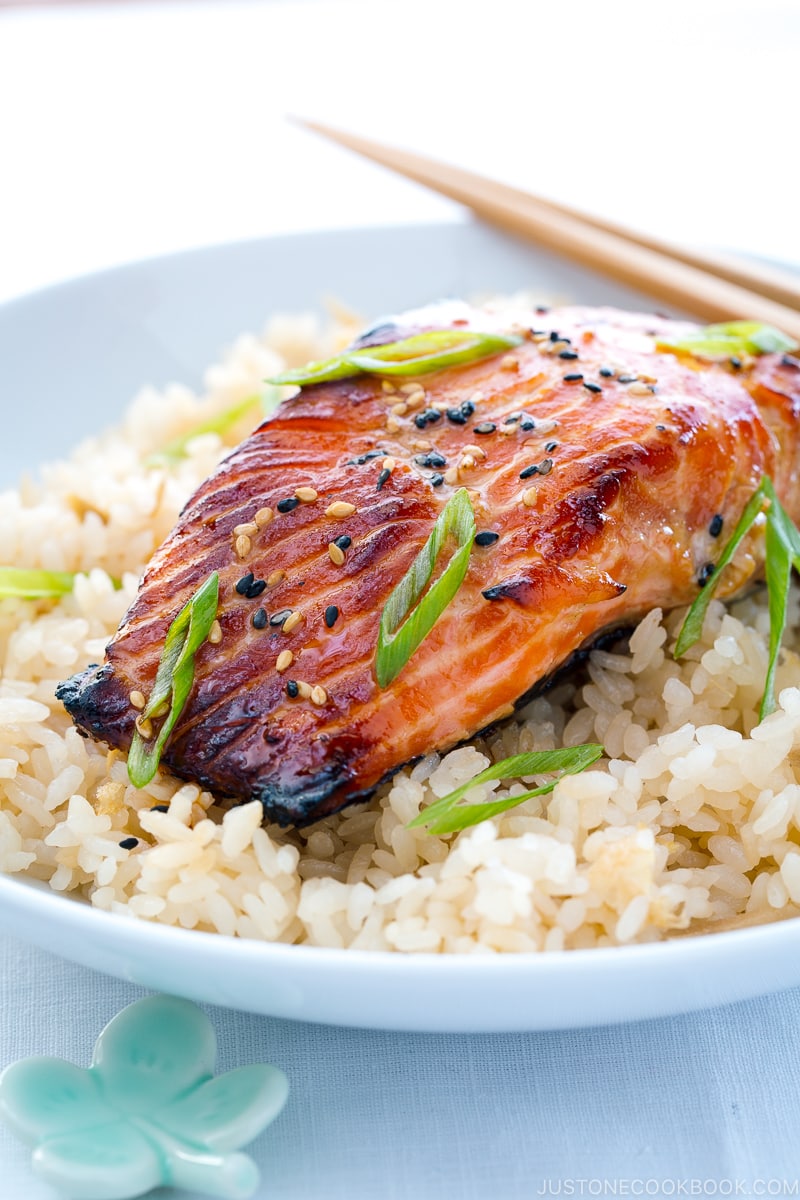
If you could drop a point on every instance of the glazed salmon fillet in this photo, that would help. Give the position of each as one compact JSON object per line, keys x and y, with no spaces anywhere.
{"x":604,"y":476}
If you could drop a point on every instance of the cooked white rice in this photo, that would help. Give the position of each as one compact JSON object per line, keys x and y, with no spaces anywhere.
{"x":691,"y":823}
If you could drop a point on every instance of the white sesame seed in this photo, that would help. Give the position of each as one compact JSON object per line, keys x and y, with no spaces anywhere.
{"x":466,"y":461}
{"x":509,"y":363}
{"x":275,"y":577}
{"x":246,"y":530}
{"x":399,"y":410}
{"x":392,"y":424}
{"x":292,"y":621}
{"x":340,"y":508}
{"x":388,"y":387}
{"x":415,"y":399}
{"x":304,"y":689}
{"x":451,"y":475}
{"x":530,"y":497}
{"x":319,"y":695}
{"x":144,"y":727}
{"x":137,"y":699}
{"x":263,"y":517}
{"x":242,"y":545}
{"x":306,"y":494}
{"x":408,"y":389}
{"x":215,"y":633}
{"x":335,"y":553}
{"x":640,"y":389}
{"x":475,"y":451}
{"x":284,"y":660}
{"x":389,"y":463}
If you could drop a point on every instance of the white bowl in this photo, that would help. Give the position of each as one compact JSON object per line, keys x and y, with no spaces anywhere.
{"x":70,"y":358}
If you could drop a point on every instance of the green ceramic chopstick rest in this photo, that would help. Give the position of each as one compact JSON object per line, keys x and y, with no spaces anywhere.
{"x":148,"y":1112}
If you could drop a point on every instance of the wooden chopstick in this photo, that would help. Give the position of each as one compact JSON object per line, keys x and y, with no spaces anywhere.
{"x":710,"y":288}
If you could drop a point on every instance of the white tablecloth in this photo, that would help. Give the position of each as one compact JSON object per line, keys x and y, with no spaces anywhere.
{"x":137,"y":129}
{"x":708,"y":1101}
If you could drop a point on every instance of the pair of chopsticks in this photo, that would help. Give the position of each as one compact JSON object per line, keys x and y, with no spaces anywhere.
{"x":709,"y":287}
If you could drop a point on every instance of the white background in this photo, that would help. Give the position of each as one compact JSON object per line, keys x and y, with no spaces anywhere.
{"x":132,"y":129}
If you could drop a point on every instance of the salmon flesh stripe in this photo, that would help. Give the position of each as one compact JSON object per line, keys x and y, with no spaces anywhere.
{"x":609,"y":471}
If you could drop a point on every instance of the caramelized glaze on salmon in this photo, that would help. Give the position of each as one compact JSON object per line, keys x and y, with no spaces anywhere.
{"x":610,"y":474}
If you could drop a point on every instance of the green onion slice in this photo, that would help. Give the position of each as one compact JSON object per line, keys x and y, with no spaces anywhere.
{"x":25,"y":584}
{"x":448,"y":815}
{"x":177,"y":449}
{"x":782,"y":552}
{"x":403,"y":626}
{"x":174,"y":677}
{"x":731,"y":338}
{"x":33,"y":585}
{"x":417,"y":355}
{"x":692,"y":627}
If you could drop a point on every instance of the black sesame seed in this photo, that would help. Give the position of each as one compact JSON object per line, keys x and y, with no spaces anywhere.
{"x":628,"y":378}
{"x":512,"y":420}
{"x":244,"y":583}
{"x":467,"y":408}
{"x":661,"y":428}
{"x":705,"y":573}
{"x":422,"y":460}
{"x":292,"y":689}
{"x":256,"y":589}
{"x":575,"y":377}
{"x":485,"y":427}
{"x":592,"y":387}
{"x":419,"y":421}
{"x":486,"y":538}
{"x":365,"y":458}
{"x":160,"y":808}
{"x":277,"y":618}
{"x":555,"y":336}
{"x":384,"y":475}
{"x":432,"y":415}
{"x":455,"y":415}
{"x":606,"y":372}
{"x":735,"y":362}
{"x":527,"y":424}
{"x":529,"y":471}
{"x":260,"y":618}
{"x":344,"y":542}
{"x":129,"y":843}
{"x":542,"y":308}
{"x":568,"y":354}
{"x":715,"y":528}
{"x":331,"y":615}
{"x":437,"y":480}
{"x":789,"y":361}
{"x":545,"y":466}
{"x":550,"y":447}
{"x":435,"y":459}
{"x":285,"y":506}
{"x":498,"y":592}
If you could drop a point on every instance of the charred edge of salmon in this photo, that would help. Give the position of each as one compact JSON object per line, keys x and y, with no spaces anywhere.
{"x":96,"y":703}
{"x":101,"y":708}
